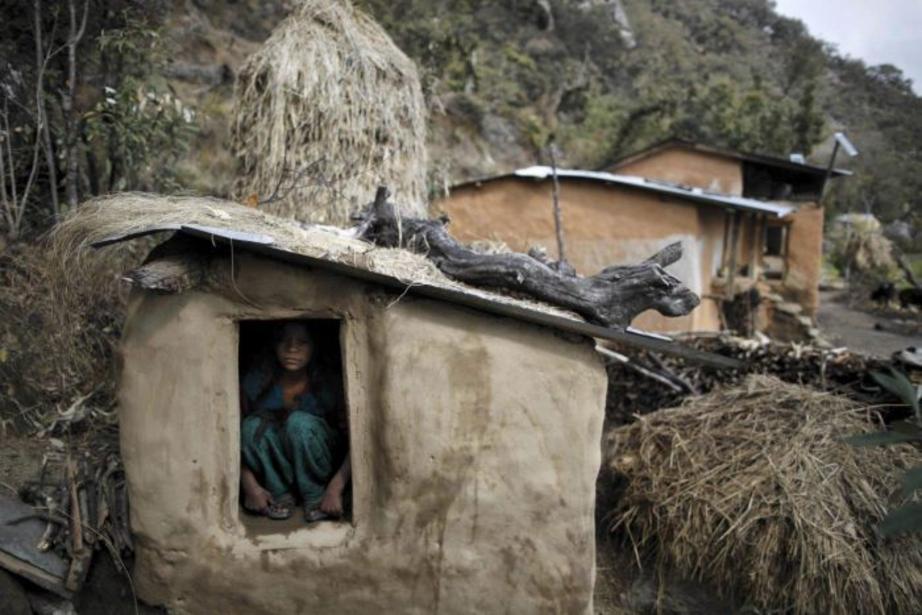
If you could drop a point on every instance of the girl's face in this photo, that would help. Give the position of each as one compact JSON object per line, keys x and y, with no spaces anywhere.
{"x":294,"y":350}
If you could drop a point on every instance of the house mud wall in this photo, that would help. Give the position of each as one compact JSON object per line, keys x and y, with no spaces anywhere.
{"x":688,"y":167}
{"x":604,"y":225}
{"x":475,"y":449}
{"x":805,"y":258}
{"x":725,"y":175}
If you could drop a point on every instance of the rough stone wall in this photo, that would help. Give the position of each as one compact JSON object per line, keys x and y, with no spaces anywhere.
{"x":690,"y":168}
{"x":475,"y":448}
{"x":604,"y":225}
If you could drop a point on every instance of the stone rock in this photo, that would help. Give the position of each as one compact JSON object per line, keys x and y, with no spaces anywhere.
{"x":793,"y":309}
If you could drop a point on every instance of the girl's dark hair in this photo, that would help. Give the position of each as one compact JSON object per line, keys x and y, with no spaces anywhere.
{"x":278,"y":331}
{"x":268,"y":362}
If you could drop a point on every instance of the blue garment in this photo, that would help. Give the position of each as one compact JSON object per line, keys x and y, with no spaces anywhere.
{"x":297,"y":450}
{"x":320,"y":402}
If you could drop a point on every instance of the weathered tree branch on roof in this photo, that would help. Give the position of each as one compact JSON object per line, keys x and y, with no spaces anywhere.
{"x":174,"y":266}
{"x":183,"y":263}
{"x":612,"y":297}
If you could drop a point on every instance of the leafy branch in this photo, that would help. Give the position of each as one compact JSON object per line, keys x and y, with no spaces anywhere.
{"x":908,"y":517}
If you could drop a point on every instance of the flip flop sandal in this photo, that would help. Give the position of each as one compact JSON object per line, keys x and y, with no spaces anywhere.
{"x":280,"y":509}
{"x":312,"y":514}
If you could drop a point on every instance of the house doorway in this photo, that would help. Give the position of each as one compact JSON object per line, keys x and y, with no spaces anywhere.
{"x":295,"y":469}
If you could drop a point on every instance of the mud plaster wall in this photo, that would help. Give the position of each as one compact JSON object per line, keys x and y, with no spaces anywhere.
{"x":690,"y":168}
{"x":725,"y":175}
{"x":604,"y":225}
{"x":805,"y":258}
{"x":475,"y":449}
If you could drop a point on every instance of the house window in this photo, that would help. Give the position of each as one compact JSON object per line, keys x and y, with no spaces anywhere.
{"x":294,"y":433}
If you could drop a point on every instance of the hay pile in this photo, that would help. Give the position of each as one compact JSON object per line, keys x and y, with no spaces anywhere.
{"x":328,"y":109}
{"x":60,"y":326}
{"x":751,"y":489}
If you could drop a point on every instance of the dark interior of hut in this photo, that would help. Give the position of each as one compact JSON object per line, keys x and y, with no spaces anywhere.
{"x":294,"y":425}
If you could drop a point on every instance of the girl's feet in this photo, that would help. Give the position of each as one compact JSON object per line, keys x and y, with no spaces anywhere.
{"x":312,"y":514}
{"x":281,"y":507}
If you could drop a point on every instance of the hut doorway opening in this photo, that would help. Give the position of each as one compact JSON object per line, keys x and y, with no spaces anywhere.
{"x":775,"y":250}
{"x":294,"y":430}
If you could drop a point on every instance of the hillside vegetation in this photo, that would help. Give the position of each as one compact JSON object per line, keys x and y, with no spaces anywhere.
{"x":505,"y":77}
{"x":150,"y":108}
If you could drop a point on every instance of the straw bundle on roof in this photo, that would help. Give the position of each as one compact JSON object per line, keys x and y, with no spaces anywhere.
{"x":752,"y":490}
{"x":133,"y":213}
{"x":328,"y":109}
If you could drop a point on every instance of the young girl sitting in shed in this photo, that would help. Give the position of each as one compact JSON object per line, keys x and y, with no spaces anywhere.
{"x":294,"y":436}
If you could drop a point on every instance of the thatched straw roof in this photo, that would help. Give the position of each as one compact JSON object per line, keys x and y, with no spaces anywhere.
{"x":753,"y":490}
{"x":133,"y":214}
{"x":328,"y":109}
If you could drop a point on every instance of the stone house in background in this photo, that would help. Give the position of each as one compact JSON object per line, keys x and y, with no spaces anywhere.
{"x":745,"y":221}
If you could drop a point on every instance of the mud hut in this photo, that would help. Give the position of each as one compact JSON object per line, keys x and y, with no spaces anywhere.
{"x":326,"y":110}
{"x":474,"y":430}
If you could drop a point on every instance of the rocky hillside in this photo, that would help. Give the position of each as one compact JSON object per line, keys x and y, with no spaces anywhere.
{"x":503,"y":78}
{"x":605,"y":77}
{"x":609,"y":76}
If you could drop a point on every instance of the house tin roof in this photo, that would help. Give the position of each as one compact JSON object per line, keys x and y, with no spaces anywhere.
{"x":695,"y":194}
{"x":760,"y":159}
{"x":688,"y":193}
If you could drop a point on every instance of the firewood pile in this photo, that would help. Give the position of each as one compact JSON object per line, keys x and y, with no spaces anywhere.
{"x":641,"y":382}
{"x":80,"y":494}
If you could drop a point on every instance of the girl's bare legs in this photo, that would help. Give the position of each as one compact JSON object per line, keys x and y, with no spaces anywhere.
{"x":255,"y":498}
{"x":332,"y":503}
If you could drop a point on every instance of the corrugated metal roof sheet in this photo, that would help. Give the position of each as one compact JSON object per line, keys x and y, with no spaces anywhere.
{"x":697,"y":195}
{"x":760,"y":159}
{"x":460,"y":294}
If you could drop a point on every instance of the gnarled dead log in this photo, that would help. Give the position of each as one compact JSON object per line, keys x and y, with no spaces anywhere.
{"x":174,"y":266}
{"x":612,"y":297}
{"x":180,"y":264}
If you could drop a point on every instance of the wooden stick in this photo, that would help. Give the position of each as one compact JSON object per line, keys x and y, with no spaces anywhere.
{"x":640,"y":369}
{"x":558,"y":222}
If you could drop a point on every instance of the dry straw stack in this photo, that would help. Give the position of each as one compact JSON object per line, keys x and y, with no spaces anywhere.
{"x":58,"y":337}
{"x":326,"y":110}
{"x":135,"y":213}
{"x":752,"y":490}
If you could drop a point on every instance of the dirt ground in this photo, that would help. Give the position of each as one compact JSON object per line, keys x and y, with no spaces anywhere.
{"x":871,"y":331}
{"x":20,"y":460}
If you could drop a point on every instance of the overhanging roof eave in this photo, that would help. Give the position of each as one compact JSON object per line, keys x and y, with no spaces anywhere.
{"x":263,"y":245}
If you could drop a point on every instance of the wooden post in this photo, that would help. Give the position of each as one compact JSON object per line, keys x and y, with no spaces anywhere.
{"x":734,"y":241}
{"x":558,"y":222}
{"x":754,"y":260}
{"x":829,"y":169}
